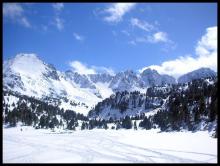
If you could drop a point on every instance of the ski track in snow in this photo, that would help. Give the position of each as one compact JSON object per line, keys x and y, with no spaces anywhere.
{"x":88,"y":146}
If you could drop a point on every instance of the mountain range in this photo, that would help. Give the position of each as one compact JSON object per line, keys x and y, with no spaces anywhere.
{"x":27,"y":74}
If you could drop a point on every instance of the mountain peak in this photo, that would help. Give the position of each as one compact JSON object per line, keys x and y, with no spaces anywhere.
{"x":196,"y":74}
{"x":26,"y":64}
{"x":149,"y":71}
{"x":128,"y":71}
{"x":26,"y":55}
{"x":203,"y":69}
{"x":151,"y":77}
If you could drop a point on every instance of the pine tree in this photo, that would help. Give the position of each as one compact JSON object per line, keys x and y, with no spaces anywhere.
{"x":83,"y":126}
{"x":105,"y":126}
{"x":196,"y":115}
{"x":202,"y":105}
{"x":126,"y":123}
{"x":213,"y":111}
{"x":145,"y":123}
{"x":42,"y":123}
{"x":118,"y":125}
{"x":110,"y":120}
{"x":135,"y":125}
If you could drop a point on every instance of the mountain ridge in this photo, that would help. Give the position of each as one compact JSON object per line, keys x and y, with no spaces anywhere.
{"x":29,"y":75}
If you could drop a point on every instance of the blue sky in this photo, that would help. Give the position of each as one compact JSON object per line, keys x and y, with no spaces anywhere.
{"x":97,"y":36}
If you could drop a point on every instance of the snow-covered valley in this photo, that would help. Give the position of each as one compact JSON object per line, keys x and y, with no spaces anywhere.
{"x":107,"y":146}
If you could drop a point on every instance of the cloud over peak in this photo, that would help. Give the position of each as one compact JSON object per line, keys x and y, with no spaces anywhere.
{"x":82,"y":68}
{"x":206,"y":56}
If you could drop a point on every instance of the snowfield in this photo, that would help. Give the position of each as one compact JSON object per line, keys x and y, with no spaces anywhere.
{"x":107,"y":146}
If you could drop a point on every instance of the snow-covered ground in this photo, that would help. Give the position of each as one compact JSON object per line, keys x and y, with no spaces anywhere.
{"x":107,"y":146}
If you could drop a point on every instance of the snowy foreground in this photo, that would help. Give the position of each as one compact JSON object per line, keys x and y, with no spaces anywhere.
{"x":107,"y":146}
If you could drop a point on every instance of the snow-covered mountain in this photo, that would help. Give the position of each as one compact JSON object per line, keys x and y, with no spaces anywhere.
{"x":37,"y":94}
{"x":190,"y":106}
{"x":196,"y":74}
{"x":127,"y":80}
{"x":131,"y":81}
{"x":151,"y":77}
{"x":133,"y":103}
{"x":28,"y":75}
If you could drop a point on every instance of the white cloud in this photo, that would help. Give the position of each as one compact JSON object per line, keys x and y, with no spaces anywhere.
{"x":12,"y":10}
{"x":141,"y":24}
{"x":81,"y":68}
{"x":154,"y":38}
{"x":84,"y":69}
{"x":78,"y":37}
{"x":15,"y":12}
{"x":58,"y":6}
{"x":208,"y":43}
{"x":149,"y":33}
{"x":101,"y":69}
{"x":160,"y":37}
{"x":116,"y":11}
{"x":206,"y":56}
{"x":59,"y":23}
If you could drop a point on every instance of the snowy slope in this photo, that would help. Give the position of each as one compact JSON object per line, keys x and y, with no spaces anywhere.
{"x":104,"y":89}
{"x":107,"y":146}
